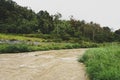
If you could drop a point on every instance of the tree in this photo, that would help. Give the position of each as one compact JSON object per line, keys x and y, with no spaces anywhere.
{"x":117,"y":35}
{"x":117,"y":32}
{"x":45,"y":22}
{"x":57,"y":23}
{"x":15,"y":17}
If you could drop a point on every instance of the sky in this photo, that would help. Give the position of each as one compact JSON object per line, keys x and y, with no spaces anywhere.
{"x":103,"y":12}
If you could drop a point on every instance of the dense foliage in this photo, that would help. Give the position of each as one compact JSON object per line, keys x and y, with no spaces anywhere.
{"x":103,"y":63}
{"x":21,"y":20}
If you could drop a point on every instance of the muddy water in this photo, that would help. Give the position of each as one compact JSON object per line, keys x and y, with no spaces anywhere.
{"x":44,"y":65}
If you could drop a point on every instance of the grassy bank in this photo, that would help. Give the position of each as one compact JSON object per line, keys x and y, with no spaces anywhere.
{"x":15,"y":48}
{"x":34,"y":43}
{"x":103,"y":63}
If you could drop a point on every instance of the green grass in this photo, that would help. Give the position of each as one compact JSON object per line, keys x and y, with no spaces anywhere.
{"x":103,"y":63}
{"x":23,"y":47}
{"x":19,"y":37}
{"x":16,"y":48}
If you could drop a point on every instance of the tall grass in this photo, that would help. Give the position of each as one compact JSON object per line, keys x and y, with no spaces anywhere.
{"x":103,"y":63}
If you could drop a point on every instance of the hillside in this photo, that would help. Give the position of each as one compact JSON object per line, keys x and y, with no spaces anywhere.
{"x":16,"y":19}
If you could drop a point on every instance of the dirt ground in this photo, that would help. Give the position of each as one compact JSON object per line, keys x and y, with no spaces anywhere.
{"x":43,"y":65}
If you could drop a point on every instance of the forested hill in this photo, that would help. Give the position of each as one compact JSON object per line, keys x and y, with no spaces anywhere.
{"x":21,"y":20}
{"x":14,"y":18}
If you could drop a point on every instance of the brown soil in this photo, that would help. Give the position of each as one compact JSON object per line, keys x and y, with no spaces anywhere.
{"x":43,"y":65}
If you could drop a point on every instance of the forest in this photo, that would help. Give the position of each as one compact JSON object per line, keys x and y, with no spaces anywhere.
{"x":15,"y":19}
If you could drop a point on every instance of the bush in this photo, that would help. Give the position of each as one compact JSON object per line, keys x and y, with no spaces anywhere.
{"x":68,"y":46}
{"x":14,"y":48}
{"x":88,"y":45}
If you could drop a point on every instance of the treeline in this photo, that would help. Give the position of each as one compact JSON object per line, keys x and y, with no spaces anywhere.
{"x":21,"y":20}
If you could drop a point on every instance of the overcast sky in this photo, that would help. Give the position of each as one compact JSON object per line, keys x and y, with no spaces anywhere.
{"x":104,"y":12}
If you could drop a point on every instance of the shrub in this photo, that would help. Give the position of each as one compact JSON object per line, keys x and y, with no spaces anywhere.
{"x":14,"y":48}
{"x":88,"y":45}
